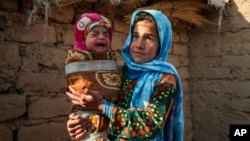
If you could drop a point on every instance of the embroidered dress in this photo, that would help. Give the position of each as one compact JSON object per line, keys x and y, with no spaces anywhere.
{"x":139,"y":124}
{"x":148,"y":91}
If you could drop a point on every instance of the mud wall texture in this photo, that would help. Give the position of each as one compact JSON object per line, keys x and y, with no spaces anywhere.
{"x":32,"y":81}
{"x":219,"y":74}
{"x":214,"y":69}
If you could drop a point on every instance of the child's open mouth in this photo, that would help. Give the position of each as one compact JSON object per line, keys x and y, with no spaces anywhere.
{"x":101,"y":44}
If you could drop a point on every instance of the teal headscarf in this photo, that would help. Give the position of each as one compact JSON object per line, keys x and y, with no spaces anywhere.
{"x":152,"y":72}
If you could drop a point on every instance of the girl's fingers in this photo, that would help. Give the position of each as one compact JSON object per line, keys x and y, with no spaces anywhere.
{"x":88,"y":98}
{"x":74,"y":99}
{"x":70,"y":95}
{"x":91,"y":92}
{"x":74,"y":116}
{"x":81,"y":135}
{"x":75,"y":96}
{"x":81,"y":129}
{"x":77,"y":126}
{"x":73,"y":91}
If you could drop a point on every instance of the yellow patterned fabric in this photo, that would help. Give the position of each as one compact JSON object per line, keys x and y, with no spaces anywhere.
{"x":98,"y":71}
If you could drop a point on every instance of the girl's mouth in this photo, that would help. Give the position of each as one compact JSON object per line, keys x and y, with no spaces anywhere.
{"x":138,"y":53}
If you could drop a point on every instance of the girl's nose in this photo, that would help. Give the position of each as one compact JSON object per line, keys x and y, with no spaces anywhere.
{"x":139,"y":43}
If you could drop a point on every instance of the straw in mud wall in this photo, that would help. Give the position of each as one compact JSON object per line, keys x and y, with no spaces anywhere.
{"x":184,"y":10}
{"x":108,"y":2}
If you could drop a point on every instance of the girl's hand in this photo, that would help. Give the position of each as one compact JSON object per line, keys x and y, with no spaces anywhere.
{"x":90,"y":100}
{"x":77,"y":126}
{"x":98,"y":100}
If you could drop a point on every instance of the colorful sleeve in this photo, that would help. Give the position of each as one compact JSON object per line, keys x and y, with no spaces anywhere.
{"x":143,"y":124}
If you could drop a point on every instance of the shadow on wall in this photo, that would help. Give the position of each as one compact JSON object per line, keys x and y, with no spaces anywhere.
{"x":219,"y":71}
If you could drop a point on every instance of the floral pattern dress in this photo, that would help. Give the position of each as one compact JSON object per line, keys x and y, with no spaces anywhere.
{"x":139,"y":124}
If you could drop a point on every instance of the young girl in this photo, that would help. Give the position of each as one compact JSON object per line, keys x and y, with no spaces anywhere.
{"x":150,"y":101}
{"x":92,"y":64}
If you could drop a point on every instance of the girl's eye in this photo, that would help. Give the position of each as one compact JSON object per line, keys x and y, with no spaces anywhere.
{"x":148,"y":38}
{"x":151,"y":38}
{"x":134,"y":37}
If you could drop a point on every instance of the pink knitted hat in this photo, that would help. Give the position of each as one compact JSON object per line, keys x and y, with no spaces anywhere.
{"x":84,"y":24}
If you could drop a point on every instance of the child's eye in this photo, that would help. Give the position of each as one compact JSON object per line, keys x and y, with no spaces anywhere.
{"x":106,"y":34}
{"x":93,"y":33}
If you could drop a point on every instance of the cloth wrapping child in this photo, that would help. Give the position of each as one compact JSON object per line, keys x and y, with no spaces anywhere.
{"x":93,"y":65}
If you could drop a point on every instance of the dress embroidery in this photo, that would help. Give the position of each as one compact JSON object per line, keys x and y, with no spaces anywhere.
{"x":130,"y":123}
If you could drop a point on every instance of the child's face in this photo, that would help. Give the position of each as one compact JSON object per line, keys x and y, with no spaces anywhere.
{"x":144,"y":44}
{"x":97,"y":40}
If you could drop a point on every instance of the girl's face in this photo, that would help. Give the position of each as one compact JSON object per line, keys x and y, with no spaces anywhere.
{"x":97,"y":40}
{"x":145,"y":42}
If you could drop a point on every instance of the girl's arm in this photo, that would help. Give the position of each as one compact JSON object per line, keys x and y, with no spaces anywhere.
{"x":140,"y":123}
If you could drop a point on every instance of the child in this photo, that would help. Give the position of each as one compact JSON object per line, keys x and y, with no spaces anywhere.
{"x":91,"y":64}
{"x":150,"y":102}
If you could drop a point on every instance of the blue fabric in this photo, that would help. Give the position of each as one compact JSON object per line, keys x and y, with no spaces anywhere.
{"x":107,"y":108}
{"x":152,"y":72}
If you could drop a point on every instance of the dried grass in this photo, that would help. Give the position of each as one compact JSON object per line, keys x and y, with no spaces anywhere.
{"x":64,"y":2}
{"x":184,"y":10}
{"x":129,"y":6}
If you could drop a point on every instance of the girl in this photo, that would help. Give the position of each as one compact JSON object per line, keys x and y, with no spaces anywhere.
{"x":150,"y":101}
